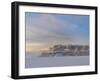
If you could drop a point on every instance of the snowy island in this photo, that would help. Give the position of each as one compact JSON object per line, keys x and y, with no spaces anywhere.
{"x":66,"y":50}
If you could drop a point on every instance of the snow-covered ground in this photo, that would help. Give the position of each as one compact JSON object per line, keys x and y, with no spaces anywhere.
{"x":32,"y":61}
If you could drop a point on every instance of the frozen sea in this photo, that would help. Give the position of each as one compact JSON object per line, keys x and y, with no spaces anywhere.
{"x":32,"y":61}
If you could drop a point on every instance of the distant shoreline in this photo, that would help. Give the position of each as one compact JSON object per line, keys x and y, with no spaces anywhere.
{"x":67,"y":50}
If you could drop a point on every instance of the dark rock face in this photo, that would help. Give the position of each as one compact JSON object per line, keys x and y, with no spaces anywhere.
{"x":58,"y":47}
{"x":67,"y":50}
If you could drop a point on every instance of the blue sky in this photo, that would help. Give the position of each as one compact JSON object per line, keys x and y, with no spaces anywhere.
{"x":44,"y":30}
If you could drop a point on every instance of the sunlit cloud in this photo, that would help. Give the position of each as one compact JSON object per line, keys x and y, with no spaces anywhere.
{"x":35,"y":47}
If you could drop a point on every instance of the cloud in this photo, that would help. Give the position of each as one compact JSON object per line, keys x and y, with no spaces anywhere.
{"x":49,"y":29}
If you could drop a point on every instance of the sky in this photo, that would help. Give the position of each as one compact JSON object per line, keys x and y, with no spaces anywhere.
{"x":43,"y":30}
